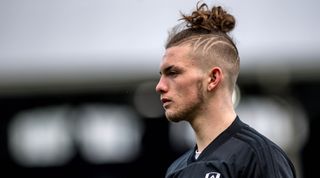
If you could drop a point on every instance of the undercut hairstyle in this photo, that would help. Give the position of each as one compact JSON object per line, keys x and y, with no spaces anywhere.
{"x":206,"y":31}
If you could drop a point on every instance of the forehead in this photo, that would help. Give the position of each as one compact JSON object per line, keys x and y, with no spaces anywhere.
{"x":177,"y":55}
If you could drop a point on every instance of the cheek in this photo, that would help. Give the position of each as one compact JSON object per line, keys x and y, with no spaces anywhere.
{"x":188,"y":90}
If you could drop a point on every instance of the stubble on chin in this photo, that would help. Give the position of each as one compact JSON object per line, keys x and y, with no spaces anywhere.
{"x":173,"y":117}
{"x":185,"y":113}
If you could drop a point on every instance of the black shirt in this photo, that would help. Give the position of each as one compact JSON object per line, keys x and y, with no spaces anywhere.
{"x":238,"y":152}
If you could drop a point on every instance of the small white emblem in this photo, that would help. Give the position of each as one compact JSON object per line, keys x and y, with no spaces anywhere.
{"x":213,"y":175}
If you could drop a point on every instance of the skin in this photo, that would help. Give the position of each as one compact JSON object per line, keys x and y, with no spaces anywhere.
{"x":193,"y":94}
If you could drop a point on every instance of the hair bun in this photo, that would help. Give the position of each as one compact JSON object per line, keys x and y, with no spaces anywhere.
{"x":215,"y":19}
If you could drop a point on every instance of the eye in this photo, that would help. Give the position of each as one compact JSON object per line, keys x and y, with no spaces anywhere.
{"x":172,"y":73}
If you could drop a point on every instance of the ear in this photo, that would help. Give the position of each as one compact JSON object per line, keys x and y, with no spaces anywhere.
{"x":215,"y":76}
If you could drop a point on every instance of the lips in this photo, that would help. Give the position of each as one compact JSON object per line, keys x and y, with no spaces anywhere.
{"x":165,"y":101}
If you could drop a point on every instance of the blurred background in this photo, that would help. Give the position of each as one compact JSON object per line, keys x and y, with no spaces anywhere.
{"x":77,"y":80}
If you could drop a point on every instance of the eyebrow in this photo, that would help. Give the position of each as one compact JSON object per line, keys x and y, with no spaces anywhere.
{"x":165,"y":70}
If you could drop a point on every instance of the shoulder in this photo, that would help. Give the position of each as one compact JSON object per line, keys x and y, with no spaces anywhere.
{"x":264,"y":154}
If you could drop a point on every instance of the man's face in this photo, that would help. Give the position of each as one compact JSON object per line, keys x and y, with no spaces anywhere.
{"x":180,"y":85}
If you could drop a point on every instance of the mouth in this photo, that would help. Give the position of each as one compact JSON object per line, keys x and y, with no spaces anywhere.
{"x":165,"y":102}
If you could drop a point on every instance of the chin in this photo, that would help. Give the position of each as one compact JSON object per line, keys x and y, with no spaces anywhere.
{"x":173,"y":117}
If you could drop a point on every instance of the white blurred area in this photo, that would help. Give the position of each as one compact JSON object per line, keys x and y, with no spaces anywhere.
{"x":109,"y":134}
{"x":40,"y":137}
{"x":282,"y":121}
{"x":45,"y":137}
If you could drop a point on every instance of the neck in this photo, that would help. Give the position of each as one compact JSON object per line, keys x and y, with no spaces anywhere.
{"x":210,"y":125}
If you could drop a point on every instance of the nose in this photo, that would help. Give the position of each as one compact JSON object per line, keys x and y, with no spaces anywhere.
{"x":161,"y":86}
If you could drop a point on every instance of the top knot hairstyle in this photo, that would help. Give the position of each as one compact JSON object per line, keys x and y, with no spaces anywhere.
{"x":206,"y":31}
{"x":203,"y":21}
{"x":215,"y":19}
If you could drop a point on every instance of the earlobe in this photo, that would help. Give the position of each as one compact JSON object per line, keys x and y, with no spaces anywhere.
{"x":214,"y":78}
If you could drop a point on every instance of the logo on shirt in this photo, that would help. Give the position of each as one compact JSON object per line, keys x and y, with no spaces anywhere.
{"x":212,"y":175}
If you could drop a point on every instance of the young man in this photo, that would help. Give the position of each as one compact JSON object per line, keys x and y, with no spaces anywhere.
{"x":198,"y":75}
